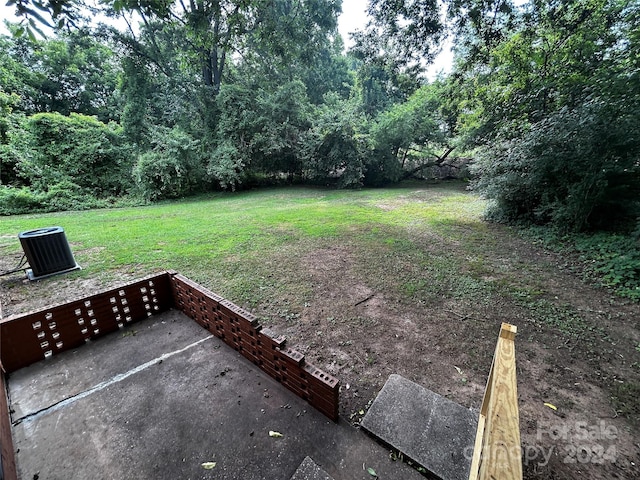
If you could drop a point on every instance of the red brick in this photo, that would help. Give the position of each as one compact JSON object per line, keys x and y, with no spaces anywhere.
{"x":294,"y":357}
{"x":271,"y":340}
{"x":321,"y":377}
{"x":295,"y":387}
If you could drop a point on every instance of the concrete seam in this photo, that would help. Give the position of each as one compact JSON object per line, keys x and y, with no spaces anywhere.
{"x":102,"y":385}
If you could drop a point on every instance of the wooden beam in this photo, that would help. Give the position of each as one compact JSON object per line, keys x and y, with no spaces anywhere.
{"x":8,"y":466}
{"x":477,"y":448}
{"x":497,"y":452}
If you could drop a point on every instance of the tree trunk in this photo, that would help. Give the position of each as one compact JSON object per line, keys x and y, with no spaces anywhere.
{"x":437,"y":162}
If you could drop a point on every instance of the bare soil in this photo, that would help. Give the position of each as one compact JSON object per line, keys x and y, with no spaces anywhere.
{"x":362,"y":335}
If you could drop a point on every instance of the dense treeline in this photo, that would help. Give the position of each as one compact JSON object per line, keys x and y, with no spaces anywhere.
{"x":545,"y":97}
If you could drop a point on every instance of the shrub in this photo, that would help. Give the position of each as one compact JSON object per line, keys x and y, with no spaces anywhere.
{"x":77,"y":149}
{"x":576,"y":169}
{"x":172,"y":169}
{"x":15,"y":201}
{"x":334,"y":150}
{"x":226,"y":165}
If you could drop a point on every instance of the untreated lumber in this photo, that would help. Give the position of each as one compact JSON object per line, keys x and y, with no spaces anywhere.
{"x":8,"y":463}
{"x":497,"y":451}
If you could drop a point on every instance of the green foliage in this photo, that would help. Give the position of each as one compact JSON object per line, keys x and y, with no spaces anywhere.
{"x":226,"y":165}
{"x":60,"y":197}
{"x":605,"y":258}
{"x":71,"y":73}
{"x":260,"y":131}
{"x":329,"y":73}
{"x":14,"y":201}
{"x":575,"y":169}
{"x":403,"y":136}
{"x":236,"y":128}
{"x":614,"y":260}
{"x":7,"y":104}
{"x":380,"y":81}
{"x":135,"y":89}
{"x":556,"y":105}
{"x":35,"y":14}
{"x":67,"y":195}
{"x":335,"y":148}
{"x":172,"y":168}
{"x":9,"y":157}
{"x":283,"y":116}
{"x":16,"y":75}
{"x":415,"y":27}
{"x":77,"y":149}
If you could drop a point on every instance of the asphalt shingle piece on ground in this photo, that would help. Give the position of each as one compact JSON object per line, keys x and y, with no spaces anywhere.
{"x":429,"y":429}
{"x":308,"y":470}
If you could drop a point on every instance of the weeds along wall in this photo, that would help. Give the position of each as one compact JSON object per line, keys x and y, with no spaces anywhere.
{"x":35,"y":336}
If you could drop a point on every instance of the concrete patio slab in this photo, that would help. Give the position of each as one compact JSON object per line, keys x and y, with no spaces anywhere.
{"x":308,"y":470}
{"x":158,"y":399}
{"x":431,"y":430}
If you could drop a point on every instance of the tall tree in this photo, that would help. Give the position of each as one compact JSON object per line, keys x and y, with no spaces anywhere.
{"x":71,"y":73}
{"x":558,"y":105}
{"x":383,"y":77}
{"x":411,"y":28}
{"x":275,"y":32}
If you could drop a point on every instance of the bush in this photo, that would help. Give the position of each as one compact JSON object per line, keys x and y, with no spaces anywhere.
{"x":15,"y":201}
{"x":334,"y":150}
{"x":69,"y":196}
{"x":226,"y":165}
{"x":576,"y":169}
{"x":173,"y":168}
{"x":59,"y":197}
{"x":77,"y":149}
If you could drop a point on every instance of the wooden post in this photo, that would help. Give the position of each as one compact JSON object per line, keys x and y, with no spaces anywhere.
{"x":497,"y":452}
{"x":8,"y":464}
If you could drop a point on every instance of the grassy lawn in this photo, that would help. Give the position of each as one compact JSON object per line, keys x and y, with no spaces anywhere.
{"x":407,"y":280}
{"x":229,"y":242}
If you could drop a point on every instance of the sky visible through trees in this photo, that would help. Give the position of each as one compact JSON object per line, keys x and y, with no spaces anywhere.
{"x":353,"y":17}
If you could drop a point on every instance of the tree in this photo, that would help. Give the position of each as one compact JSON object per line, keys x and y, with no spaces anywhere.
{"x":405,"y":138}
{"x":335,"y":147}
{"x":330,"y":72}
{"x":575,"y":169}
{"x":412,"y":29}
{"x":8,"y":125}
{"x":278,"y":32}
{"x":559,"y":108}
{"x":382,"y":77}
{"x":49,"y":13}
{"x":260,"y":132}
{"x":71,"y":73}
{"x":136,"y":89}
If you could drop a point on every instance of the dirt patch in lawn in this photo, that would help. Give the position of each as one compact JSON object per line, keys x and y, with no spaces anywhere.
{"x":576,"y":349}
{"x":577,"y":346}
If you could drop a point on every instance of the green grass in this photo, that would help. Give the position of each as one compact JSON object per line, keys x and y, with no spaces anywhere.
{"x":236,"y":241}
{"x":422,"y":242}
{"x":422,"y":246}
